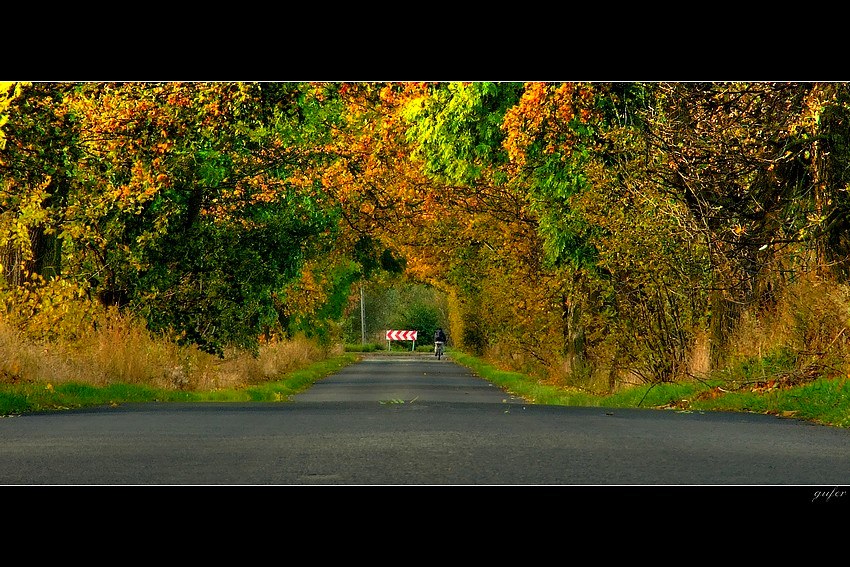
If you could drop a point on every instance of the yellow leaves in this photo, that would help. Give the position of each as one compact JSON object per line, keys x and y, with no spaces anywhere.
{"x":21,"y":209}
{"x":422,"y":266}
{"x":766,"y":386}
{"x":815,"y":219}
{"x":143,"y":186}
{"x":47,"y":309}
{"x":121,"y":193}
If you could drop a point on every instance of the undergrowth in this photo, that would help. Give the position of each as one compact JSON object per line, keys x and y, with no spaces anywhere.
{"x":789,"y":361}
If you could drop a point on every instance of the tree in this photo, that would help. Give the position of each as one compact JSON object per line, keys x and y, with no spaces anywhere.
{"x":186,"y":203}
{"x":739,"y":157}
{"x":38,"y":151}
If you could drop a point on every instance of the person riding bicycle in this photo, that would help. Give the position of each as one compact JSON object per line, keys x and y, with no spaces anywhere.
{"x":439,"y":336}
{"x":439,"y":341}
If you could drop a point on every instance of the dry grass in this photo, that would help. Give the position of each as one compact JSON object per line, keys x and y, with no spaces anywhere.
{"x":812,"y":318}
{"x":809,"y":325}
{"x":699,"y":355}
{"x":807,"y":333}
{"x":274,"y":359}
{"x":119,"y":349}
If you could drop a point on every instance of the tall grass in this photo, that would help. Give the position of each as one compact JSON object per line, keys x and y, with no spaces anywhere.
{"x":803,"y":336}
{"x":118,"y":349}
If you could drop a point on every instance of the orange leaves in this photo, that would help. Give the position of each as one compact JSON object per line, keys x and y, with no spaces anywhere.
{"x":766,"y":386}
{"x":164,"y":147}
{"x":547,"y":113}
{"x":178,"y":98}
{"x":422,"y":267}
{"x":712,"y":394}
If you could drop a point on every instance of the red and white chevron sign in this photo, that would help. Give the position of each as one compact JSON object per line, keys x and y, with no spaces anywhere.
{"x":401,"y":335}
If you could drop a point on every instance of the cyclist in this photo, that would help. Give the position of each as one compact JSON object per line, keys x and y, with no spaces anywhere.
{"x":439,"y":341}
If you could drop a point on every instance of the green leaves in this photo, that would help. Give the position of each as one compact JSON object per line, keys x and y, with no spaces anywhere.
{"x":588,"y":214}
{"x":458,"y":128}
{"x":187,"y":202}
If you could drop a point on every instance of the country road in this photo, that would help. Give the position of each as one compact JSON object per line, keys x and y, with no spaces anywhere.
{"x":414,"y":420}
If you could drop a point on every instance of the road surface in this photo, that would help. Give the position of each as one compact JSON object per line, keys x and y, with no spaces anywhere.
{"x":414,"y":420}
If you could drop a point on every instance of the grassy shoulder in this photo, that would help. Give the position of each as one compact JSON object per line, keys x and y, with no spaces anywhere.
{"x":823,"y":401}
{"x":39,"y":396}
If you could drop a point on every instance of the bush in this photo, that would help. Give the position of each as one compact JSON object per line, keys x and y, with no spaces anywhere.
{"x":419,"y":317}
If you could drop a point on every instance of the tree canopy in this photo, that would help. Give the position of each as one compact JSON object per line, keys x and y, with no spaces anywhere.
{"x":587,"y":228}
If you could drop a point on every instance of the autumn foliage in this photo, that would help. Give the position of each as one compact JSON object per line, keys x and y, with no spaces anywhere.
{"x":592,"y":234}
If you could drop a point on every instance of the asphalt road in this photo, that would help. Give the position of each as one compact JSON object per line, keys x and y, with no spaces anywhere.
{"x":404,"y":421}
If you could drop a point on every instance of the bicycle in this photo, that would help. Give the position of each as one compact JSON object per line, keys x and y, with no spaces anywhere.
{"x":438,"y":349}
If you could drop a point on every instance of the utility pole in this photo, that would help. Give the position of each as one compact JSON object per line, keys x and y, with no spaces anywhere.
{"x":362,"y":317}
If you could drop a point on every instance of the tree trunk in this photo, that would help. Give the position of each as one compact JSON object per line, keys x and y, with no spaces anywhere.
{"x":724,"y":318}
{"x":47,"y":254}
{"x":45,"y":260}
{"x":574,"y":336}
{"x":10,"y":259}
